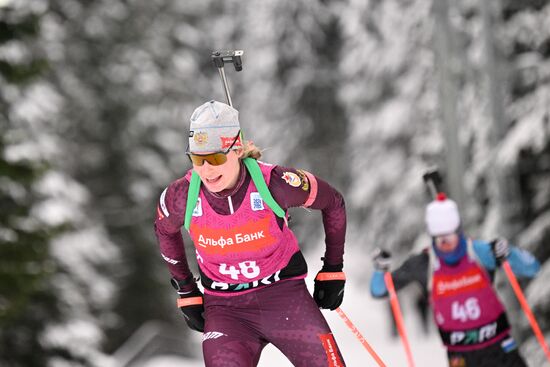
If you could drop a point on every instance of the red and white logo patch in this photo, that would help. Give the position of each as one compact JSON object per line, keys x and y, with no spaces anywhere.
{"x":252,"y":236}
{"x":451,"y":285}
{"x":227,"y":141}
{"x":292,"y":179}
{"x":332,"y":351}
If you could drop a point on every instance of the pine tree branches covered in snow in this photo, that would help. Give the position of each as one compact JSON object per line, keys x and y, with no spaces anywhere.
{"x":96,"y":98}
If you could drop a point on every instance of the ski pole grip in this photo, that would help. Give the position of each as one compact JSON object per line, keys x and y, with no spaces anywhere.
{"x":433,"y":180}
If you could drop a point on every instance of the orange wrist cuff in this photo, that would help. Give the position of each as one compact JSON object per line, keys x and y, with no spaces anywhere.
{"x":191,"y":301}
{"x":331,"y":276}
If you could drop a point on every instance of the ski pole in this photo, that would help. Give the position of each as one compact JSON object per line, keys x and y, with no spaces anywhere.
{"x":222,"y":57}
{"x":360,"y":337}
{"x":525,"y":306}
{"x":398,"y":317}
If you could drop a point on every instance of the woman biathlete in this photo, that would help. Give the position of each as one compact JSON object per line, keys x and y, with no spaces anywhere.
{"x":250,"y":264}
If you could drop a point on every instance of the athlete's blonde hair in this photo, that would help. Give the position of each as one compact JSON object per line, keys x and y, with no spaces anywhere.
{"x":251,"y":151}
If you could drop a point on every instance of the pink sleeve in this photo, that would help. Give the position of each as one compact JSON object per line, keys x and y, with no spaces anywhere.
{"x":312,"y":189}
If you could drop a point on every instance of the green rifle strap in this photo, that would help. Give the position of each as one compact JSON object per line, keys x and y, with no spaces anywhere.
{"x":192,"y":197}
{"x":258,"y":178}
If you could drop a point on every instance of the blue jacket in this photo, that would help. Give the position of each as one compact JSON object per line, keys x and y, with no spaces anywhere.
{"x":416,"y":267}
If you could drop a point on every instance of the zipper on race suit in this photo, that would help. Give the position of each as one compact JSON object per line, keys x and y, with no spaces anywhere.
{"x":230,"y":204}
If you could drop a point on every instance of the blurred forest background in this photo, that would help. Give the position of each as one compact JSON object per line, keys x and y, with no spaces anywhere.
{"x":95,"y":98}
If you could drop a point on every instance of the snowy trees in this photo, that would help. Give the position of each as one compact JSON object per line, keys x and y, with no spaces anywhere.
{"x":349,"y":90}
{"x":26,"y":302}
{"x":48,"y":304}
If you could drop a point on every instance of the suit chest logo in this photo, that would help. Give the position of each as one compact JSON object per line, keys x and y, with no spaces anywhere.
{"x":256,"y":202}
{"x":450,"y":285}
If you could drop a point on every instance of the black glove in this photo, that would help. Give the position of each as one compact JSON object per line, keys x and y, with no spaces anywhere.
{"x":501,"y":249}
{"x":329,"y":286}
{"x":190,"y":303}
{"x":382,"y":260}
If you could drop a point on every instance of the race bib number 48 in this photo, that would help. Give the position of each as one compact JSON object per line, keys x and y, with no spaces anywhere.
{"x":247,"y":270}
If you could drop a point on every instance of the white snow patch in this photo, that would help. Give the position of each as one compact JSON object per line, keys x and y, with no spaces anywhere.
{"x":538,"y":292}
{"x":532,"y":236}
{"x":82,"y":337}
{"x":171,"y":361}
{"x":64,"y":199}
{"x":534,"y":354}
{"x":80,"y":252}
{"x":528,"y":133}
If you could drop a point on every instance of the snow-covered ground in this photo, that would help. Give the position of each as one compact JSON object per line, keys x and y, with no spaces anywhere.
{"x":172,"y":361}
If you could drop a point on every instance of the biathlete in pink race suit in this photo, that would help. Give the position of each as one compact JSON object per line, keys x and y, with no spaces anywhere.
{"x":250,"y":264}
{"x":458,"y":272}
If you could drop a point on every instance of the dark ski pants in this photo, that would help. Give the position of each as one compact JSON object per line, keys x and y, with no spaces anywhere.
{"x":284,"y":314}
{"x":492,"y":356}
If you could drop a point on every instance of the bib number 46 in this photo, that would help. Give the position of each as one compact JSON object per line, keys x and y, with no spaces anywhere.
{"x":247,"y":269}
{"x":469,"y":310}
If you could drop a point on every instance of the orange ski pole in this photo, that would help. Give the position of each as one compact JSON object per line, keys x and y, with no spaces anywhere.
{"x":360,"y":337}
{"x":398,"y":316}
{"x":525,"y":306}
